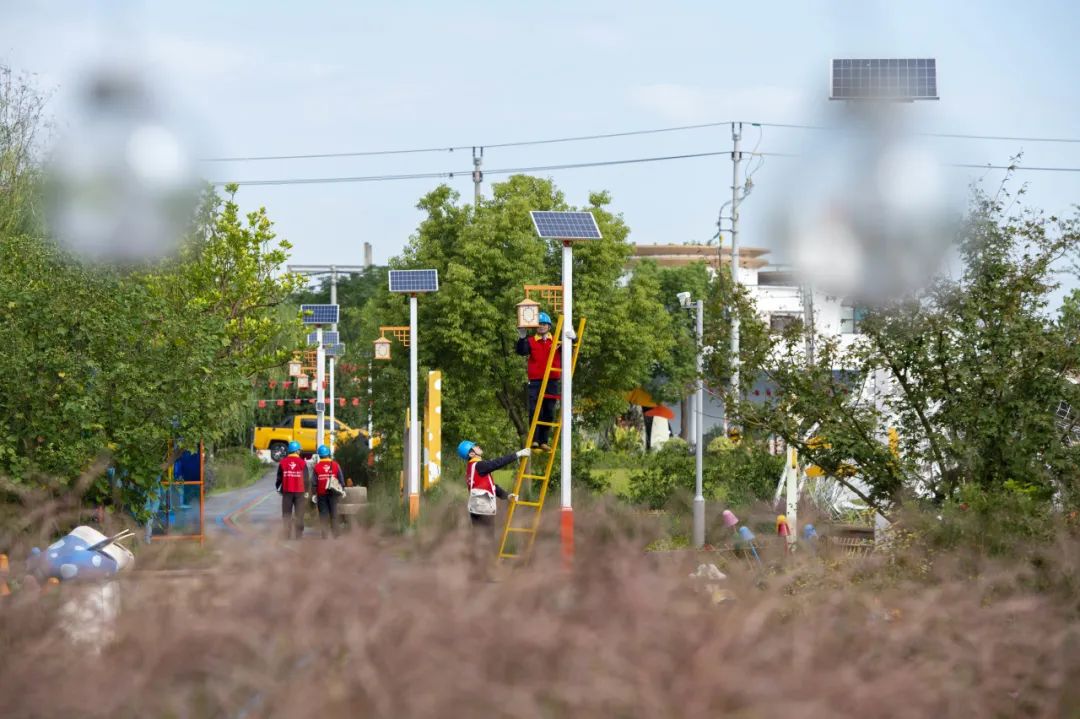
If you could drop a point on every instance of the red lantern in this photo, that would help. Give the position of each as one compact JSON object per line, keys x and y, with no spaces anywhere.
{"x":341,"y":402}
{"x":273,"y":383}
{"x":296,"y":401}
{"x":281,"y":403}
{"x":262,"y":403}
{"x":287,"y":384}
{"x":355,"y":401}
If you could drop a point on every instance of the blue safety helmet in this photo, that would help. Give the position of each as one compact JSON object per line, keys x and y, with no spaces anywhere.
{"x":294,"y":447}
{"x":323,"y":450}
{"x":464,"y":448}
{"x":545,"y":319}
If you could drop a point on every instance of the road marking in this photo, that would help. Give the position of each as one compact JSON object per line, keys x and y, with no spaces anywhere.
{"x":230,"y":519}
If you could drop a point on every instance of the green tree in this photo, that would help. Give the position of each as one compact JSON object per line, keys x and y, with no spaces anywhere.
{"x":978,"y":366}
{"x":468,"y":328}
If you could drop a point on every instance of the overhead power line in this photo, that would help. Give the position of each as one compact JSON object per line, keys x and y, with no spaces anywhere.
{"x":496,"y":171}
{"x":452,"y":148}
{"x":579,"y":165}
{"x":605,"y":136}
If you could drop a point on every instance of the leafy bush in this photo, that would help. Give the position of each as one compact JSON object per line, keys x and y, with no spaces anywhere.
{"x":736,"y":476}
{"x":352,"y":455}
{"x":741,"y":475}
{"x":665,"y":471}
{"x":626,"y":440}
{"x":232,"y":467}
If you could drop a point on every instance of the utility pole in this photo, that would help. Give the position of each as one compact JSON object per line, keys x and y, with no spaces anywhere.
{"x":736,"y":158}
{"x":808,"y":320}
{"x":478,"y":174}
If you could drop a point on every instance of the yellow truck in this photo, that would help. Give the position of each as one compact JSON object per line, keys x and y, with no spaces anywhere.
{"x":304,"y":429}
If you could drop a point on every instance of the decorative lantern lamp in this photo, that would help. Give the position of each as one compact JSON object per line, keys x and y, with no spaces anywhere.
{"x":528,"y":314}
{"x":382,"y":349}
{"x":295,"y":368}
{"x":302,"y":381}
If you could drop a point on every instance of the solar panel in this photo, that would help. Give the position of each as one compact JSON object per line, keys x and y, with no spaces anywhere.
{"x":411,"y":281}
{"x":566,"y":225}
{"x":335,"y":350}
{"x":328,"y":338}
{"x":884,"y":79}
{"x":319,"y":314}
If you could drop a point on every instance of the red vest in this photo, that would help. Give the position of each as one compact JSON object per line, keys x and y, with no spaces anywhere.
{"x":538,"y":356}
{"x":475,"y":480}
{"x":324,"y":470}
{"x":293,"y":469}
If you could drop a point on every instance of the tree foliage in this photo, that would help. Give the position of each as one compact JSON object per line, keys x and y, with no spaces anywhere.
{"x":484,"y":257}
{"x":976,"y":366}
{"x":123,"y":363}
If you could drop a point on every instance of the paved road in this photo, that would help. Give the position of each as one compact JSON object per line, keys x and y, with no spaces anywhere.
{"x":252,"y":510}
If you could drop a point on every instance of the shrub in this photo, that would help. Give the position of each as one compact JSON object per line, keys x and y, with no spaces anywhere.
{"x":352,"y":455}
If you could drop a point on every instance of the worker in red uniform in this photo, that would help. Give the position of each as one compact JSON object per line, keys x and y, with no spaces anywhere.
{"x":327,"y":490}
{"x":537,"y":348}
{"x":293,"y":482}
{"x":482,"y":494}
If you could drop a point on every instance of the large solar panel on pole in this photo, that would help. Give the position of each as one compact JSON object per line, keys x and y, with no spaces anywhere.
{"x":413,"y":281}
{"x":905,"y":79}
{"x":329,"y":337}
{"x":335,"y":349}
{"x":565,"y":225}
{"x":319,"y":314}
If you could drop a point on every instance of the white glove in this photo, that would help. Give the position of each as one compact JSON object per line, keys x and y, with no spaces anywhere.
{"x":523,"y":452}
{"x":571,"y":335}
{"x":522,"y":333}
{"x":512,"y":497}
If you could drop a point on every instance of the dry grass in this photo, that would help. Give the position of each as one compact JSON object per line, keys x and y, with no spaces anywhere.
{"x":376,"y":625}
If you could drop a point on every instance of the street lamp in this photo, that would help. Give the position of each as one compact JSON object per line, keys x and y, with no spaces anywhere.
{"x":699,"y":405}
{"x":528,"y":314}
{"x":566,"y":227}
{"x":319,"y":315}
{"x":413,"y":283}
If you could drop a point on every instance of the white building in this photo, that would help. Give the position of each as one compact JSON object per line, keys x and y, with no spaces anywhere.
{"x":777,"y":294}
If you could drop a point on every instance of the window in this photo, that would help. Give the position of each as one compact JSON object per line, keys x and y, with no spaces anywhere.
{"x":851,"y":318}
{"x":286,"y":423}
{"x":309,"y":424}
{"x":780,"y":321}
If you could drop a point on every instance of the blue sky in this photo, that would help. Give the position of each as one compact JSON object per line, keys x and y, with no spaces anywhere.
{"x":257,"y":78}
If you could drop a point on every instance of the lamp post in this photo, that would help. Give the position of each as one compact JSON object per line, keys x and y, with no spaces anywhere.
{"x":412,"y":283}
{"x":333,"y":271}
{"x":566,"y":227}
{"x":699,"y":418}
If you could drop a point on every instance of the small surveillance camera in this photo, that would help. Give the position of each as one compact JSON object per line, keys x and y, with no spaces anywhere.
{"x":684,"y":299}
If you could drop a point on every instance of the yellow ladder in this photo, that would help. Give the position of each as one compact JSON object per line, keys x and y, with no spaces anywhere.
{"x":542,"y":480}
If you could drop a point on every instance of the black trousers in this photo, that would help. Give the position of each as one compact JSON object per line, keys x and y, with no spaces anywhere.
{"x":292,"y":514}
{"x":327,"y":504}
{"x":547,"y":409}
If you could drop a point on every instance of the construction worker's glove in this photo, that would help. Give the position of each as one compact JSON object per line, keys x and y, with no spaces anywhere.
{"x":512,"y":497}
{"x":523,"y":452}
{"x":314,"y":499}
{"x":522,"y":333}
{"x":571,"y":335}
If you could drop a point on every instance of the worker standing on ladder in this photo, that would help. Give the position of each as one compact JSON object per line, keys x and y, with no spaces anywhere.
{"x":482,"y":495}
{"x":537,"y":348}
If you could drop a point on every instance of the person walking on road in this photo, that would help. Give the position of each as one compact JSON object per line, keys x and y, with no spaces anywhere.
{"x":293,"y":482}
{"x":482,"y":495}
{"x":329,"y":487}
